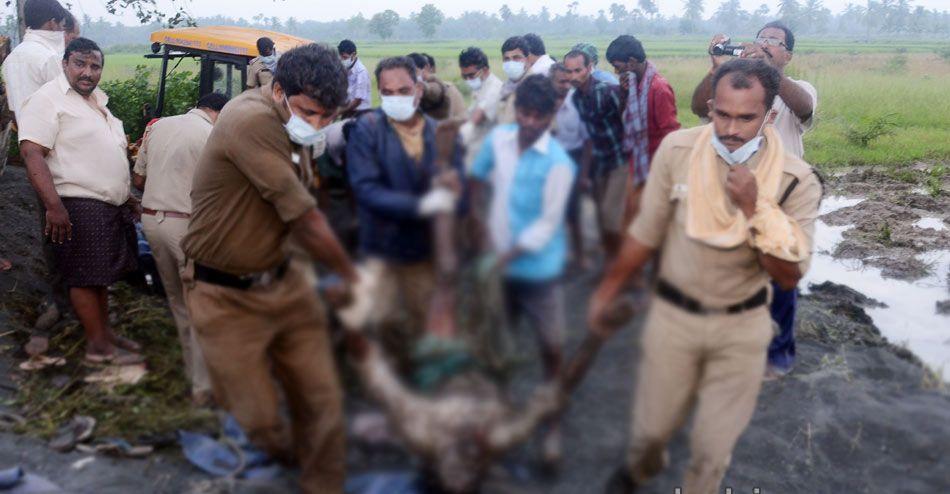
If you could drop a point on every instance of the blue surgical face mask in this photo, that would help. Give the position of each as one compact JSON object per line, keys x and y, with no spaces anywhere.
{"x":744,"y":152}
{"x":398,"y":108}
{"x":301,"y":132}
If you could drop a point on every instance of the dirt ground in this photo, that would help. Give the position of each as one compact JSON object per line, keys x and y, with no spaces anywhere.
{"x":857,"y":414}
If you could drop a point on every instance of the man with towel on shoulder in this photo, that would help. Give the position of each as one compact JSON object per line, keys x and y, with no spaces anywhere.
{"x":715,"y":210}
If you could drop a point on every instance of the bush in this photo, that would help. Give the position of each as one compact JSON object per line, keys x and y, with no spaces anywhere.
{"x":129,"y":98}
{"x":871,"y":128}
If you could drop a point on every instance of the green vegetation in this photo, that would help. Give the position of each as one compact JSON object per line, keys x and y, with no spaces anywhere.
{"x":857,"y":84}
{"x":155,"y":407}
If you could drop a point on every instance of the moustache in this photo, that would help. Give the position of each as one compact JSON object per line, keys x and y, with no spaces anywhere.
{"x":735,"y":139}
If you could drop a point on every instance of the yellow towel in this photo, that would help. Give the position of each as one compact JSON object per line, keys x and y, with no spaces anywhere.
{"x":709,"y":219}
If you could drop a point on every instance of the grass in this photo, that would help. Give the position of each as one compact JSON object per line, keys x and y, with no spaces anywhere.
{"x":154,"y":408}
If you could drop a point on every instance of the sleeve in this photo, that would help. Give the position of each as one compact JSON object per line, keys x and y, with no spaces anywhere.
{"x":808,"y":124}
{"x":656,"y":206}
{"x":52,"y":69}
{"x":488,"y":102}
{"x":664,"y":110}
{"x":485,"y":159}
{"x":366,"y":176}
{"x":141,"y":161}
{"x":13,"y":90}
{"x":262,"y":156}
{"x":363,"y":87}
{"x":557,"y":190}
{"x":802,"y":208}
{"x":252,"y":71}
{"x":38,"y":121}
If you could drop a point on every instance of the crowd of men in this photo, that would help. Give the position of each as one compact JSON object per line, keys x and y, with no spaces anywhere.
{"x":707,"y":217}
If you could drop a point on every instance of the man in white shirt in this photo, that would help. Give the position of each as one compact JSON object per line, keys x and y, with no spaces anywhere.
{"x":486,"y":94}
{"x":538,"y":57}
{"x":36,"y":60}
{"x":795,"y":114}
{"x":75,"y":154}
{"x":359,"y":88}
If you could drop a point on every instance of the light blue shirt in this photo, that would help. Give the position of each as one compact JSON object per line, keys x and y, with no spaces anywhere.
{"x":604,"y":76}
{"x":530,"y":194}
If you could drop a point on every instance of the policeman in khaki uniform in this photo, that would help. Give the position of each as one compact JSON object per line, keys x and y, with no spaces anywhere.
{"x":727,"y":209}
{"x":257,"y":319}
{"x":260,"y":71}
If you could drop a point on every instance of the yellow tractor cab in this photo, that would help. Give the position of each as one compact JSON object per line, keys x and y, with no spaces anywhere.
{"x":223,"y":54}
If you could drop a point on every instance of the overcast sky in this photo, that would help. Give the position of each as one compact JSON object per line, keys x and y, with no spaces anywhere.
{"x":329,"y":10}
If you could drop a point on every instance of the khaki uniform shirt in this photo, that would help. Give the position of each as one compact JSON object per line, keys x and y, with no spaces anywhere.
{"x":168,"y":158}
{"x":715,"y":277}
{"x":88,"y":154}
{"x":247,"y":188}
{"x":258,"y":75}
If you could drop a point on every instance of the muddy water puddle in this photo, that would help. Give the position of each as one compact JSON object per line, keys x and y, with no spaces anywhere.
{"x":910,"y":318}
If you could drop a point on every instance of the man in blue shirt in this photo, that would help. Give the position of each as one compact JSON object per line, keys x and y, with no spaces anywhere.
{"x":531,"y":177}
{"x":390,"y":157}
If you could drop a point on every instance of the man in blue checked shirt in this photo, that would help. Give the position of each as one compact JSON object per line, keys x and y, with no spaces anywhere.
{"x":531,"y":177}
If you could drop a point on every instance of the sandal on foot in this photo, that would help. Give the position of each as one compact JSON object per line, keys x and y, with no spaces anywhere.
{"x":118,"y":357}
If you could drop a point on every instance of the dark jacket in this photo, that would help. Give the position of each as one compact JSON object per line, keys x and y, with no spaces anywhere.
{"x":388,"y":185}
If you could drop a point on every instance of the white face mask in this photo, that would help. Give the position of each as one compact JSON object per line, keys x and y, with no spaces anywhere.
{"x":474,"y":83}
{"x":513,"y":69}
{"x":301,"y":132}
{"x":744,"y":153}
{"x":398,"y":108}
{"x":348,"y":64}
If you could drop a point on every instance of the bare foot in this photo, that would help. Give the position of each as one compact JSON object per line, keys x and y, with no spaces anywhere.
{"x":123,"y":342}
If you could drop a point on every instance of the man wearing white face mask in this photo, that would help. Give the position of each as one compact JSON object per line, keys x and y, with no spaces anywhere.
{"x":358,"y":99}
{"x":260,"y":72}
{"x":486,"y":93}
{"x":257,"y":319}
{"x":164,"y":170}
{"x":715,"y":208}
{"x":390,"y":159}
{"x":514,"y":55}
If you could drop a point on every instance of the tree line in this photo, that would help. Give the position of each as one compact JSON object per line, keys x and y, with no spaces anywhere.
{"x":868,"y":19}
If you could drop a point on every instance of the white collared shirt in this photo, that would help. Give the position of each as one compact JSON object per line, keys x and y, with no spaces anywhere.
{"x":542,"y":65}
{"x":34,"y":62}
{"x":88,"y":147}
{"x":569,"y":129}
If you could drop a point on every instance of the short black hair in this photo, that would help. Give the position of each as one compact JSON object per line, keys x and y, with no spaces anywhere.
{"x":346,"y":47}
{"x":83,"y":45}
{"x":39,"y":12}
{"x":418,"y":59}
{"x":743,"y":70}
{"x":789,"y":37}
{"x":473,"y":56}
{"x":265,"y":45}
{"x":213,"y":101}
{"x":558,"y":67}
{"x":430,"y":61}
{"x":535,"y":44}
{"x":391,"y":63}
{"x":579,"y":53}
{"x":314,"y":71}
{"x":536,"y":93}
{"x":515,"y":43}
{"x":624,"y":48}
{"x":69,"y":23}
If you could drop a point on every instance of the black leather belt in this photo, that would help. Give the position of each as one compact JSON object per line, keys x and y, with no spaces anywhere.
{"x":242,"y":282}
{"x":673,"y":295}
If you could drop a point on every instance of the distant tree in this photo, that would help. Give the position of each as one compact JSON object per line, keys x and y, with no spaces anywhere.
{"x":761,"y":15}
{"x":692,"y":16}
{"x":292,"y":25}
{"x":356,"y":24}
{"x":274,"y":24}
{"x":148,"y":11}
{"x":572,"y":8}
{"x":618,"y":13}
{"x":649,"y":8}
{"x":790,"y":11}
{"x":384,"y":23}
{"x":505,"y":12}
{"x":730,"y":16}
{"x":601,"y":22}
{"x":814,"y":17}
{"x":429,"y":19}
{"x":545,"y":15}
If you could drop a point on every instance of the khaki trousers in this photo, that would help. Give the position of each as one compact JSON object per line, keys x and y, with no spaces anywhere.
{"x":610,"y":197}
{"x":164,"y":236}
{"x":250,"y":337}
{"x":714,"y":363}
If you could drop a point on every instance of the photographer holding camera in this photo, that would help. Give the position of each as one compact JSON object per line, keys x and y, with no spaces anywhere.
{"x":795,"y":110}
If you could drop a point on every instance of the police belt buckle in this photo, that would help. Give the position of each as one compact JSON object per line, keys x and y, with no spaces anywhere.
{"x":264,"y":279}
